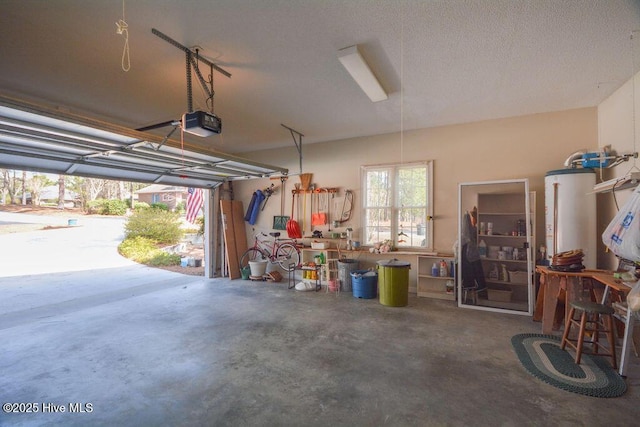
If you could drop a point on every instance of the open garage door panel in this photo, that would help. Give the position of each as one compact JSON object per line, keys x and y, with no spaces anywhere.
{"x":44,"y":140}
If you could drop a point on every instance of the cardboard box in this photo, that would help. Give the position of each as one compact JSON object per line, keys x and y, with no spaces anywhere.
{"x":319,"y":245}
{"x":499,"y":295}
{"x":517,"y":276}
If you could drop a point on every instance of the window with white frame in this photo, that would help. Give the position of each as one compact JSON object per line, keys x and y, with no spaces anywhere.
{"x":397,"y":204}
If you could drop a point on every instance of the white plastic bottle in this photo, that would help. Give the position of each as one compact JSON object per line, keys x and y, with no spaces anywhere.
{"x":443,"y":269}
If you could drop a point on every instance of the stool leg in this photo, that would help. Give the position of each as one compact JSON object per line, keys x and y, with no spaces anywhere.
{"x":583,"y":322}
{"x":612,"y":341}
{"x":598,"y":325}
{"x":567,"y":328}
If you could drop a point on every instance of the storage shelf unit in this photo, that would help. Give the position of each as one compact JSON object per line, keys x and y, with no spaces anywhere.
{"x":309,"y":254}
{"x":431,"y":286}
{"x":508,"y":279}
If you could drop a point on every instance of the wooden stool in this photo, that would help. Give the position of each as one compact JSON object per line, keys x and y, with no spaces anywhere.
{"x":595,"y":318}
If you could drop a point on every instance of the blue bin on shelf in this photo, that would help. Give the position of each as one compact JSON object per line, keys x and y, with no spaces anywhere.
{"x":364,"y":286}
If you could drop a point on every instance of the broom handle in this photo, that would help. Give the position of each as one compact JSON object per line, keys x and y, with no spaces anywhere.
{"x":282,"y":196}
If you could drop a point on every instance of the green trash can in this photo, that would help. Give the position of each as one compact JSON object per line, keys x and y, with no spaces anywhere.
{"x":393,"y":282}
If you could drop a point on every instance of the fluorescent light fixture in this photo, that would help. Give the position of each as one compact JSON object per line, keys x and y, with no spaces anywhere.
{"x":361,"y":73}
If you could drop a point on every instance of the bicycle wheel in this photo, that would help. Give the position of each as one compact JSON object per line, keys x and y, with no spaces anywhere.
{"x":252,"y":254}
{"x":288,"y":256}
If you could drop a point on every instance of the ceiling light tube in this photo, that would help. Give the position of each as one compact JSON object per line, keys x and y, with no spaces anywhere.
{"x":356,"y":66}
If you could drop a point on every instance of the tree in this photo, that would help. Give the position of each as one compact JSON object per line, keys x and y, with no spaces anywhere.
{"x":9,"y":185}
{"x":24,"y":187}
{"x":61,"y":191}
{"x":4,"y":177}
{"x":88,"y":189}
{"x":77,"y":184}
{"x":36,"y":184}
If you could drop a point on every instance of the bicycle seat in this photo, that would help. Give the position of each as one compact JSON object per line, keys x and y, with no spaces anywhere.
{"x":275,"y":234}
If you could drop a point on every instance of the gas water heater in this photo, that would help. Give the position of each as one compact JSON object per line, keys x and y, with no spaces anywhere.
{"x":570,"y":213}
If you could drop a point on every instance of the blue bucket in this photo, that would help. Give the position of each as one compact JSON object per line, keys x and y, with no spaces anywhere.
{"x":364,"y":286}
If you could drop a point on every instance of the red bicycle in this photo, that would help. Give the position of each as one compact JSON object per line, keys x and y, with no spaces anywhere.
{"x":283,"y":252}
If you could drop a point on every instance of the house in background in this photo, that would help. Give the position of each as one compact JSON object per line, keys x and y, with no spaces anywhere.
{"x":50,"y":195}
{"x":170,"y":195}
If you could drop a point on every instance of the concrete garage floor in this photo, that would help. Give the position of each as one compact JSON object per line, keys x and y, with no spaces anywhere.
{"x":180,"y":350}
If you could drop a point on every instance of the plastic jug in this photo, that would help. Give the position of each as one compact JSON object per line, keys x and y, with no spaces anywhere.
{"x":435,"y":271}
{"x":482,"y":249}
{"x":443,"y":269}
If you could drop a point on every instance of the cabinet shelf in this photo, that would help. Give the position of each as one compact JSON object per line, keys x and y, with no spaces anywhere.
{"x":504,"y":260}
{"x":502,"y":282}
{"x":450,"y":296}
{"x":503,"y":236}
{"x":436,"y":277}
{"x":512,"y":305}
{"x":429,"y":286}
{"x":482,"y":214}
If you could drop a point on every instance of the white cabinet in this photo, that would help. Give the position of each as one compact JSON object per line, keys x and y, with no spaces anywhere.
{"x":505,"y":226}
{"x":436,"y":286}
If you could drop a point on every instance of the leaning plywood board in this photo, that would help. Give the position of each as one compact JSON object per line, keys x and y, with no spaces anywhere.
{"x":235,"y":238}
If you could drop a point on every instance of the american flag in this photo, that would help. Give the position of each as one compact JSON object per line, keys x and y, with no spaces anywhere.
{"x":194,"y":202}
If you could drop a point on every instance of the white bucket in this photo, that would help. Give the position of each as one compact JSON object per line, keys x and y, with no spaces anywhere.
{"x":258,"y":268}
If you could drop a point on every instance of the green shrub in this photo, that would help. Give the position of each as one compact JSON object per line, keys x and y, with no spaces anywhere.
{"x":160,"y":206}
{"x":161,"y":257}
{"x":145,"y":251}
{"x":107,"y":207}
{"x":114,"y":207}
{"x":157,"y":225}
{"x":200,"y":223}
{"x":94,"y":206}
{"x":141,"y":205}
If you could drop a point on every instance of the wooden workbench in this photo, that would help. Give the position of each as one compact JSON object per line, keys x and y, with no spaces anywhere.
{"x":553,"y":284}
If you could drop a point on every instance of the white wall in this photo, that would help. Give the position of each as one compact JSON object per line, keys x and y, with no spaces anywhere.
{"x":616,"y":128}
{"x":517,"y":147}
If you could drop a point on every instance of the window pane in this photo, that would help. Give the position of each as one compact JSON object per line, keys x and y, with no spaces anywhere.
{"x":412,"y":227}
{"x":412,"y":203}
{"x":377,"y":226}
{"x":378,"y":190}
{"x":412,"y":187}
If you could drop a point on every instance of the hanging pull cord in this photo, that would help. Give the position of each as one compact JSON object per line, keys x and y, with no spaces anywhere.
{"x":123,"y":30}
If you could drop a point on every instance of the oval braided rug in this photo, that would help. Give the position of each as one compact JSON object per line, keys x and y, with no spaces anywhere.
{"x":542,"y":356}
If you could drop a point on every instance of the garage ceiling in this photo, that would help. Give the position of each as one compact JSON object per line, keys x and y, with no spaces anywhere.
{"x":442,"y":62}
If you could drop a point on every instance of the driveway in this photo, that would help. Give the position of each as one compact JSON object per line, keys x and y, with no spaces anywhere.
{"x":52,"y":270}
{"x":91,"y":244}
{"x":78,"y":321}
